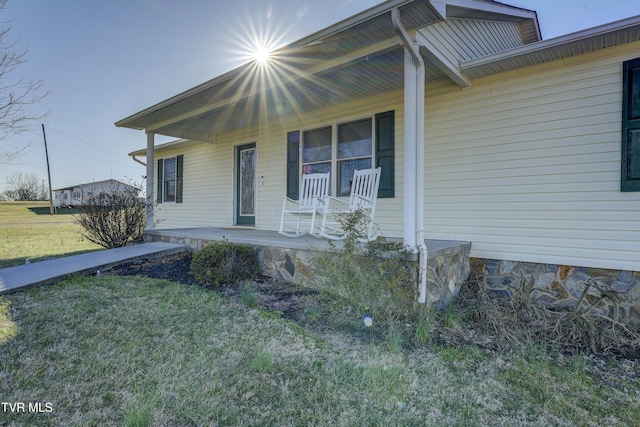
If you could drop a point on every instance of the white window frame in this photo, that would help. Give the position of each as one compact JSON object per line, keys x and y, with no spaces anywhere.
{"x":164,"y":179}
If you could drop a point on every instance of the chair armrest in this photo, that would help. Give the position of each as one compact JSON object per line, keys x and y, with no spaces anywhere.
{"x":327,"y":201}
{"x":286,"y":200}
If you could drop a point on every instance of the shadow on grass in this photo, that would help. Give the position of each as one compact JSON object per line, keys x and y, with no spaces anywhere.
{"x":59,"y":211}
{"x":4,"y":263}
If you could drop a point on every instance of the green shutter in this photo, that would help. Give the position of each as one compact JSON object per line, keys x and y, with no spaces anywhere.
{"x":293,"y":164}
{"x":179,"y":161}
{"x":630,"y":172}
{"x":159,"y":188}
{"x":385,"y":153}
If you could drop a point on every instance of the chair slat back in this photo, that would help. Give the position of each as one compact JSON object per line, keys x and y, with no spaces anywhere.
{"x":365,"y":186}
{"x":313,"y":185}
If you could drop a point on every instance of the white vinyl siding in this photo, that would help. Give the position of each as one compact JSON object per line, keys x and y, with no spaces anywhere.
{"x":526,"y":165}
{"x":207,"y":195}
{"x":471,"y":39}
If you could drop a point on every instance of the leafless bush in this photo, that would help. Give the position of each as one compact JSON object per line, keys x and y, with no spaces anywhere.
{"x":113,"y":219}
{"x":500,"y":323}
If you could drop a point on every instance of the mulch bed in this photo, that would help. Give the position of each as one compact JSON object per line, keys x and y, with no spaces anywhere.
{"x":287,"y":298}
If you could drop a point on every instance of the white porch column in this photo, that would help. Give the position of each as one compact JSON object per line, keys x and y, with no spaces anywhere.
{"x":414,"y":74}
{"x":419,"y":159}
{"x":410,"y":150}
{"x":150,"y":179}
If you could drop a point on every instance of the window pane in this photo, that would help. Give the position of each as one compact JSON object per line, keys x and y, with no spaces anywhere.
{"x":170,"y":169}
{"x":169,"y":178}
{"x":354,"y":139}
{"x":345,"y":174}
{"x":316,"y":145}
{"x":247,"y":181}
{"x":317,"y":168}
{"x":169,"y":191}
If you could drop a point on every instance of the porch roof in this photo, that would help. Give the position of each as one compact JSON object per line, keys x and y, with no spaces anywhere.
{"x":353,"y":59}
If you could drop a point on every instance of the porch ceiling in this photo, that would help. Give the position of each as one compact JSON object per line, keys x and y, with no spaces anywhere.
{"x":367,"y":77}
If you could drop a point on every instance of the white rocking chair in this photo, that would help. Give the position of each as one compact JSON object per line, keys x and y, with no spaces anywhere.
{"x":295,"y":213}
{"x":364,"y":194}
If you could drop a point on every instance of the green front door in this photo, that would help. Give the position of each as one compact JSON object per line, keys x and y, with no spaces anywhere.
{"x":246,"y":184}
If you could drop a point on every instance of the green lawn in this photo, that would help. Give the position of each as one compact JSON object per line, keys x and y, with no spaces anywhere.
{"x":137,"y":351}
{"x":28,"y":230}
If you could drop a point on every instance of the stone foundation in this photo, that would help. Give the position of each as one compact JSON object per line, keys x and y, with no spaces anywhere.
{"x":446,"y":271}
{"x":447,"y":262}
{"x":611,"y":293}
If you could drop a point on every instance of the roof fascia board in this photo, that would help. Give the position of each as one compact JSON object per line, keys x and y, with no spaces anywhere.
{"x":166,"y":146}
{"x":177,"y":98}
{"x":363,"y":16}
{"x":555,"y":42}
{"x":437,"y":55}
{"x":377,"y":48}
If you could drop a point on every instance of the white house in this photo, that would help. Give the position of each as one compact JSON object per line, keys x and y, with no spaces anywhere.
{"x":77,"y":195}
{"x":527,"y":148}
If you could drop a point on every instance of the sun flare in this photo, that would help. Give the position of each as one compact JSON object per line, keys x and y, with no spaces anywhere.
{"x":261,"y":55}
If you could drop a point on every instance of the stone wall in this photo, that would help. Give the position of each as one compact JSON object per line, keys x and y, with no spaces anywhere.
{"x":611,"y":293}
{"x":446,"y":272}
{"x":447,"y":263}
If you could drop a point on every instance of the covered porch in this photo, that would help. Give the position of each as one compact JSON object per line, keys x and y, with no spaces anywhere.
{"x":292,"y":259}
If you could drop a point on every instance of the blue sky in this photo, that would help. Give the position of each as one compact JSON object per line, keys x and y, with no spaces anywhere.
{"x":105,"y":60}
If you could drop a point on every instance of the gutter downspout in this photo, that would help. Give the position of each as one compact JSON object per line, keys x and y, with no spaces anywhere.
{"x":415,"y":171}
{"x":138,"y":161}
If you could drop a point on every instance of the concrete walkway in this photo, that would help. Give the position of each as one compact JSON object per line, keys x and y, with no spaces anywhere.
{"x":45,"y":272}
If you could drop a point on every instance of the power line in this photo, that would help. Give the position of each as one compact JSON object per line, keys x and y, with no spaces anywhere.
{"x":131,"y":166}
{"x":85,"y":142}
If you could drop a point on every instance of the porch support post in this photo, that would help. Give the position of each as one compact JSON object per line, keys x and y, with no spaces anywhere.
{"x":150,"y":178}
{"x":414,"y":75}
{"x":410,"y":151}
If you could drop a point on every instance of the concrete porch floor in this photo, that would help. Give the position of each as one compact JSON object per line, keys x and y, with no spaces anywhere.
{"x":194,"y":238}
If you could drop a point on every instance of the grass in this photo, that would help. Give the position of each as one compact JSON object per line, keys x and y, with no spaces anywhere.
{"x":142,"y":352}
{"x":28,"y":231}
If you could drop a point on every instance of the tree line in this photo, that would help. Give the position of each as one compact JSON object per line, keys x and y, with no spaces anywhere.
{"x":23,"y":186}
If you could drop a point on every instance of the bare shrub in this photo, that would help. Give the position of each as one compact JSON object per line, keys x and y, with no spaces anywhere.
{"x":113,"y":219}
{"x":502,"y":323}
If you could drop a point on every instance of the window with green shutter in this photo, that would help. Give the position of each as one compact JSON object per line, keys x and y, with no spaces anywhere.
{"x":630,"y":172}
{"x":341,"y":149}
{"x":385,"y":142}
{"x":170,"y":179}
{"x":293,"y":162}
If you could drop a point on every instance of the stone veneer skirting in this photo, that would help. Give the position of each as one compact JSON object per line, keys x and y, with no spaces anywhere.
{"x":611,"y":293}
{"x":447,"y":262}
{"x":447,"y":270}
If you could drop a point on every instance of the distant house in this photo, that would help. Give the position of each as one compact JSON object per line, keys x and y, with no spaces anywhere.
{"x":486,"y":133}
{"x":77,"y":195}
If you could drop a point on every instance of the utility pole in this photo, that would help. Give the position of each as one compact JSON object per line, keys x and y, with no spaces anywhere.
{"x":46,"y":151}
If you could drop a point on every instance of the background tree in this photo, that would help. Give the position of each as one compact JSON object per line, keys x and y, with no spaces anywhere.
{"x":17,"y":94}
{"x":24,"y":187}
